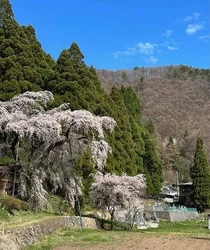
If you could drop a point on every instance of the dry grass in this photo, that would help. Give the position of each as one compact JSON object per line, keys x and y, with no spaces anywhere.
{"x":181,"y":235}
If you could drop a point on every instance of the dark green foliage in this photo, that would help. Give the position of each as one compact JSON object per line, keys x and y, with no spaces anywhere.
{"x":131,"y":102}
{"x":171,"y":141}
{"x":6,"y":160}
{"x":133,"y":146}
{"x":200,"y":174}
{"x":124,"y":76}
{"x":150,"y":126}
{"x":84,"y":168}
{"x":152,"y":163}
{"x":24,"y":66}
{"x":59,"y":205}
{"x":78,"y":84}
{"x":150,"y":187}
{"x":123,"y":146}
{"x":183,"y":72}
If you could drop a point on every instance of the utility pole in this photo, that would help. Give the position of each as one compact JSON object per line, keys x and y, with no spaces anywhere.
{"x":177,"y":183}
{"x":78,"y":201}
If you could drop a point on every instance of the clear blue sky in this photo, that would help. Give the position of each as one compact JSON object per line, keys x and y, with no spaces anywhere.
{"x":122,"y":34}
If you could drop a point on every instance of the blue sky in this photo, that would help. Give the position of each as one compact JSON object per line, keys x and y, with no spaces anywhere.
{"x":122,"y":34}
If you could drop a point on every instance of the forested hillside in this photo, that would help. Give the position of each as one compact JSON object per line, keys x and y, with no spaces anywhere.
{"x":24,"y":66}
{"x":176,"y":99}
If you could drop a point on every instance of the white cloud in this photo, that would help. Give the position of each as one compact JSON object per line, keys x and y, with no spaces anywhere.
{"x":168,"y":33}
{"x":172,"y":48}
{"x":205,"y":38}
{"x":139,"y":49}
{"x":193,"y":28}
{"x":146,"y":48}
{"x":194,"y":16}
{"x":151,"y":59}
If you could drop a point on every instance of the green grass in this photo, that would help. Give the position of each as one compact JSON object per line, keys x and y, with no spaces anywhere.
{"x":183,"y":227}
{"x":88,"y":237}
{"x":4,"y":217}
{"x":23,"y":218}
{"x":74,"y":237}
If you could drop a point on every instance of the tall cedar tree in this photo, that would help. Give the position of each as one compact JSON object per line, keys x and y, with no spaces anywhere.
{"x":200,"y":174}
{"x":152,"y":165}
{"x":24,"y":66}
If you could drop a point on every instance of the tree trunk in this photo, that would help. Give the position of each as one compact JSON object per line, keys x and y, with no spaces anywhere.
{"x":112,"y":218}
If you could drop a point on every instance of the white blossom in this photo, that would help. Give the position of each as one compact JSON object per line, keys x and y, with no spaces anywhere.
{"x":24,"y":116}
{"x":112,"y":191}
{"x":29,"y":103}
{"x":42,"y":96}
{"x":99,"y":150}
{"x":108,"y":123}
{"x":47,"y":126}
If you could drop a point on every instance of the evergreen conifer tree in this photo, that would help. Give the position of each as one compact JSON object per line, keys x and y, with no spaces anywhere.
{"x":152,"y":164}
{"x":200,"y":174}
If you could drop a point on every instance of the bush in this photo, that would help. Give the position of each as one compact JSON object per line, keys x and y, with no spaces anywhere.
{"x":25,"y":206}
{"x":11,"y":203}
{"x":6,"y":160}
{"x":59,"y":205}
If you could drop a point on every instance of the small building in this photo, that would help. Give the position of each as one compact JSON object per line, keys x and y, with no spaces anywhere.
{"x":169,"y":194}
{"x":184,"y":194}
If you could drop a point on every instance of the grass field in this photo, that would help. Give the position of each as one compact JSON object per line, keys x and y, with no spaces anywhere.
{"x":187,"y":235}
{"x":169,"y":236}
{"x":23,"y":218}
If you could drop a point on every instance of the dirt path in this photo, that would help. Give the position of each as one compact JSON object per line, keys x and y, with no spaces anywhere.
{"x":147,"y":242}
{"x":31,"y":222}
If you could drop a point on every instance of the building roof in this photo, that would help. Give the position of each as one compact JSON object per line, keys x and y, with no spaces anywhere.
{"x":185,"y":184}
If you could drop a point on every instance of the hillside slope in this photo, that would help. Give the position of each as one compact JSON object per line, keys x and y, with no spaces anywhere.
{"x":175,"y":98}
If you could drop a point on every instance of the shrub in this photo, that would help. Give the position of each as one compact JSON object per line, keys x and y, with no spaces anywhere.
{"x":59,"y":205}
{"x":11,"y":203}
{"x":6,"y":160}
{"x":25,"y":206}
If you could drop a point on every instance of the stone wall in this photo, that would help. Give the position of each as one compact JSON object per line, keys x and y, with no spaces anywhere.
{"x":15,"y":239}
{"x":176,"y":215}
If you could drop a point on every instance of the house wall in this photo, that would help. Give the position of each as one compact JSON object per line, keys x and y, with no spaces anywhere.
{"x":184,"y":194}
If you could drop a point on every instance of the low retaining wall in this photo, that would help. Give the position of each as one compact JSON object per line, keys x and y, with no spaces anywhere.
{"x":176,"y":215}
{"x":16,"y":238}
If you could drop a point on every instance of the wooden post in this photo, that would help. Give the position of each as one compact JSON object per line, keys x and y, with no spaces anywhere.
{"x":14,"y":181}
